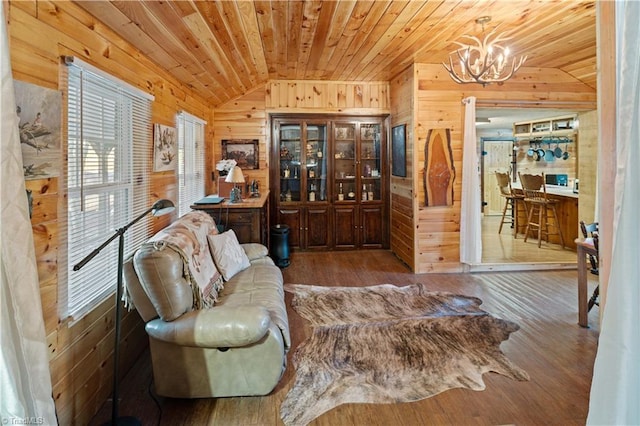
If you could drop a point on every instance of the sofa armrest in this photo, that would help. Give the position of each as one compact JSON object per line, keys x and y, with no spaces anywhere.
{"x":255,"y":250}
{"x":216,"y":327}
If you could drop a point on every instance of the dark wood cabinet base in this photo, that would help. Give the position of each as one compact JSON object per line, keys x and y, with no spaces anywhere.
{"x":249,"y":219}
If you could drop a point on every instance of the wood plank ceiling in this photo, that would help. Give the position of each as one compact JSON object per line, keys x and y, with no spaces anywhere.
{"x":224,"y":49}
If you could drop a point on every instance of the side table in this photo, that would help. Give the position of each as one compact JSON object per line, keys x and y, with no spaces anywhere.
{"x":249,"y":219}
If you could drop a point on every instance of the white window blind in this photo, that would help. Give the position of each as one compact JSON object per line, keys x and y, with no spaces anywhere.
{"x":109,"y":138}
{"x":190,"y":161}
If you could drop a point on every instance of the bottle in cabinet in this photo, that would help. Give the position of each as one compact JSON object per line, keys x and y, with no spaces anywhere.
{"x":312,"y":192}
{"x":351,"y":195}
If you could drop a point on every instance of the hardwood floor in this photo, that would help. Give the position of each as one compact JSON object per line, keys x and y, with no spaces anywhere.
{"x":550,"y":346}
{"x":503,"y":248}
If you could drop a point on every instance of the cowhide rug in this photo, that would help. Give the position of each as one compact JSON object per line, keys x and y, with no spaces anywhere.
{"x":386,"y":344}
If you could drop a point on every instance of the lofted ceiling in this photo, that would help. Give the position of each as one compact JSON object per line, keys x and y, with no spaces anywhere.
{"x":223,"y":49}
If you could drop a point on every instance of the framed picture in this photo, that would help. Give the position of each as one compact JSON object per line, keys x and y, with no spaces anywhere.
{"x":165,"y":148}
{"x":368,"y":131}
{"x":38,"y":109}
{"x":244,"y":151}
{"x":398,"y":151}
{"x":344,"y":133}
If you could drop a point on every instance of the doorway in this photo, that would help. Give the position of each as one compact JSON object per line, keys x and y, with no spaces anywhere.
{"x":501,"y":151}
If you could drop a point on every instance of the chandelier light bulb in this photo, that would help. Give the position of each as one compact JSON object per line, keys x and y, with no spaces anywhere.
{"x":483,"y":61}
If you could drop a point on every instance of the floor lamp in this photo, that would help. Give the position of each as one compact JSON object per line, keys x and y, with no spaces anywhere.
{"x":159,"y":208}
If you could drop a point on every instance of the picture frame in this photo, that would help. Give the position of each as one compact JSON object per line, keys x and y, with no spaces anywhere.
{"x":367,"y":132}
{"x":344,"y":132}
{"x":40,"y":128}
{"x":244,"y":151}
{"x":165,"y":148}
{"x":399,"y":151}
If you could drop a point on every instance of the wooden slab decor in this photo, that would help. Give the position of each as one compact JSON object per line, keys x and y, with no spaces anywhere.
{"x":439,"y":171}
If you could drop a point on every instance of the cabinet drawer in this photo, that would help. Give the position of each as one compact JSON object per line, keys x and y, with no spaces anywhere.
{"x":243,"y":217}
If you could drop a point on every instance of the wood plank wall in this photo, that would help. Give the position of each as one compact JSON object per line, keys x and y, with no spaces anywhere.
{"x":403,"y":197}
{"x":243,"y":118}
{"x":438,"y":104}
{"x":438,"y":228}
{"x":81,"y":354}
{"x":588,"y":166}
{"x":248,"y":116}
{"x":328,"y":96}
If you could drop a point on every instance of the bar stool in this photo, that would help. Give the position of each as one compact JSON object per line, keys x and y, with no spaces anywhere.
{"x":512,"y":203}
{"x":538,"y":204}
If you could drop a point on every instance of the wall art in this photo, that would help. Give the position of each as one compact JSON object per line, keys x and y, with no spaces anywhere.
{"x":165,"y":143}
{"x":398,"y":151}
{"x":40,"y":123}
{"x":244,"y":151}
{"x":439,"y":170}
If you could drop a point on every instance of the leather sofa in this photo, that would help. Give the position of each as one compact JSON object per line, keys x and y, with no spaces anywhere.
{"x":210,"y":335}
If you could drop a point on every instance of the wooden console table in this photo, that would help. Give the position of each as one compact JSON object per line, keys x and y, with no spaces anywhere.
{"x":249,"y":219}
{"x":585,"y":247}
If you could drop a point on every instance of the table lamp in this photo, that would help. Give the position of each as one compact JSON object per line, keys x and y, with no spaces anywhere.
{"x":235,"y":176}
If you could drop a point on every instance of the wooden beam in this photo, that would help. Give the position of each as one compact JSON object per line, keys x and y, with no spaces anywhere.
{"x":606,"y":41}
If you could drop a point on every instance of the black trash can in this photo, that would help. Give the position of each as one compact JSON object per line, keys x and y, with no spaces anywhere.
{"x":280,"y":245}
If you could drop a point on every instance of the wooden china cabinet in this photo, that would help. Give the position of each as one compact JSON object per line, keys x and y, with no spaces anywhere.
{"x":329,"y":181}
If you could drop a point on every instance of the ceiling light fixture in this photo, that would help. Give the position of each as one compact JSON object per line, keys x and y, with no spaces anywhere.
{"x":485,"y":62}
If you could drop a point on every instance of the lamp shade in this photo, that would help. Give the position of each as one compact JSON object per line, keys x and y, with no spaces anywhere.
{"x":235,"y":175}
{"x":162,"y":207}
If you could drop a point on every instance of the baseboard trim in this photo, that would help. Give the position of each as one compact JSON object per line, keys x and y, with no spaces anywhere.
{"x":503,"y":267}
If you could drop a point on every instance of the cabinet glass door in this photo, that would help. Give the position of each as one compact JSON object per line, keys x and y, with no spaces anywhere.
{"x":370,"y":162}
{"x":290,"y":162}
{"x":345,"y":162}
{"x":316,"y":162}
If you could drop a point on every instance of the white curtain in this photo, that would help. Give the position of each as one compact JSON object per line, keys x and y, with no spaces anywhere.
{"x":615,"y":389}
{"x":470,"y":228}
{"x":25,"y":383}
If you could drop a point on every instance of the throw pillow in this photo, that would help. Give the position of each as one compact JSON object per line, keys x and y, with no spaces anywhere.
{"x":228,"y":255}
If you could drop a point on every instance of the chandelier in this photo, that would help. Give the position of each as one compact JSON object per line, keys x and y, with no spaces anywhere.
{"x":484,"y":61}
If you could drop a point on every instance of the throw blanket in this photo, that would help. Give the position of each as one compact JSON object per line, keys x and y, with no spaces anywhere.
{"x":188,"y":237}
{"x":388,"y":344}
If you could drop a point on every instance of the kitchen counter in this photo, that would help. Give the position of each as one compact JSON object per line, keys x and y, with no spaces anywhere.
{"x":563,"y":191}
{"x":567,"y":208}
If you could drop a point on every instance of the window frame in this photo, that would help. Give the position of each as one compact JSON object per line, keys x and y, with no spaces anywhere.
{"x":105,"y":181}
{"x":191,"y":160}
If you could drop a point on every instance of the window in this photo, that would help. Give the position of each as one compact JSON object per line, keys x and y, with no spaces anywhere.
{"x":109,"y":138}
{"x":190,"y":161}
